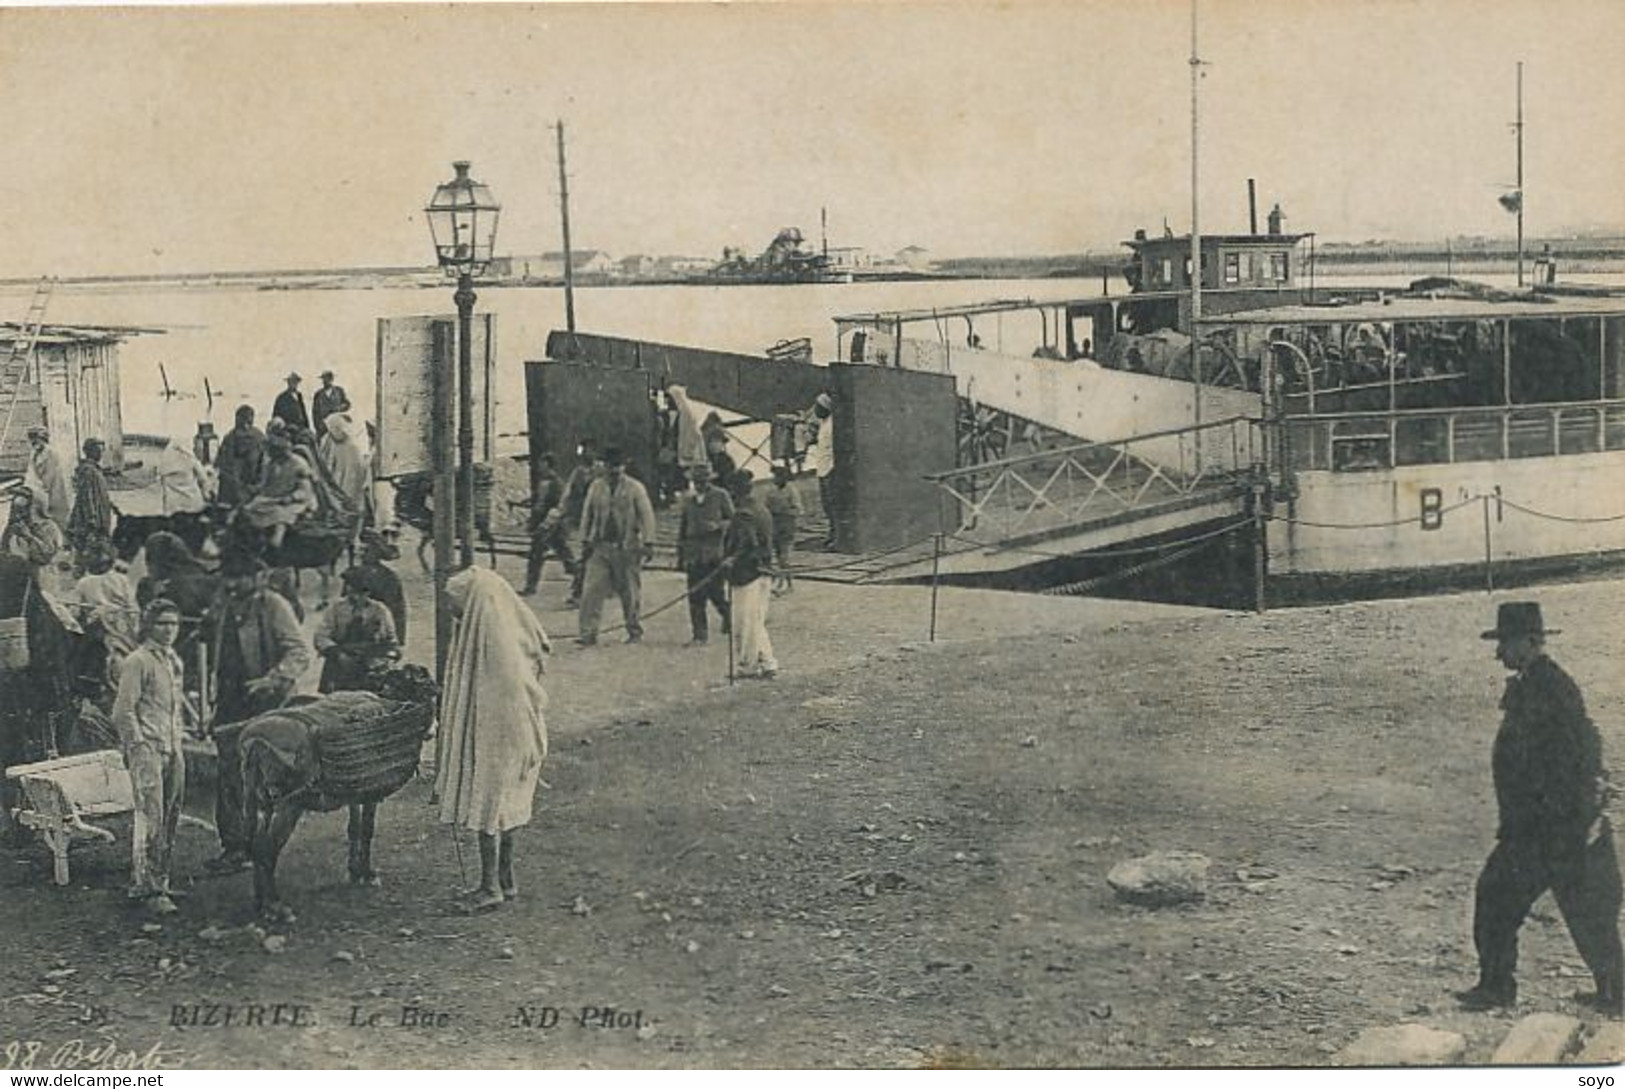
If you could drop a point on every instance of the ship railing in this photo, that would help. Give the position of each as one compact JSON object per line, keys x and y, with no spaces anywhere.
{"x":1040,"y":494}
{"x":1369,"y":441}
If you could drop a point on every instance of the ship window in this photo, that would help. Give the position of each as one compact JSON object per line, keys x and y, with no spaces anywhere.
{"x":1579,"y":430}
{"x":1360,"y":445}
{"x":1362,"y":453}
{"x":1476,"y":436}
{"x":1165,"y":271}
{"x":1232,"y":268}
{"x":1278,"y":267}
{"x":1421,"y":440}
{"x":1532,"y":434}
{"x":1304,"y":444}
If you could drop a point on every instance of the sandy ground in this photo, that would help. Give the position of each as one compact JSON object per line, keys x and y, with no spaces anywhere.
{"x":893,"y":855}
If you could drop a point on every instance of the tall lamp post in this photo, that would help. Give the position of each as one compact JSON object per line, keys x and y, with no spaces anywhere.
{"x":463,"y":222}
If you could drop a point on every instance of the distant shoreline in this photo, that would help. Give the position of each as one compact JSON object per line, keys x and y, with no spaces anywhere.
{"x":1572,"y":257}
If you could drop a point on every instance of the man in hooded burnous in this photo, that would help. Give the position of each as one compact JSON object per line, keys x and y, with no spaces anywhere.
{"x":46,"y":476}
{"x":93,"y":510}
{"x":493,"y":736}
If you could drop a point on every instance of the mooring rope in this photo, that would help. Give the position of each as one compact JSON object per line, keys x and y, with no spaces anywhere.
{"x":1560,"y":517}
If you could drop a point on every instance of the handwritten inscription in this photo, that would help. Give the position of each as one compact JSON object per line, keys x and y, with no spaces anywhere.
{"x":105,"y":1053}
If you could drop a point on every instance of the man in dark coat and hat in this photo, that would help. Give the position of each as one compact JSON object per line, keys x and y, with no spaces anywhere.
{"x":1551,"y":789}
{"x":259,"y":653}
{"x":290,"y":405}
{"x":327,"y":400}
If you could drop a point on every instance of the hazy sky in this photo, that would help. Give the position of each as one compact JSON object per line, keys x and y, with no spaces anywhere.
{"x":151,"y":140}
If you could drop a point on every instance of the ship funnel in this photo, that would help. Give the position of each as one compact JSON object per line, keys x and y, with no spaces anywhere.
{"x":1252,"y":206}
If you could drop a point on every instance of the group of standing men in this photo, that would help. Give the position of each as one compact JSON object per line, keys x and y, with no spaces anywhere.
{"x":276,"y":478}
{"x":53,"y":511}
{"x":258,"y":651}
{"x":733,"y":546}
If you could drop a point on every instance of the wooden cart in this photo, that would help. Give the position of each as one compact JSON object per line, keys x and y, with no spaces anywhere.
{"x":62,"y":796}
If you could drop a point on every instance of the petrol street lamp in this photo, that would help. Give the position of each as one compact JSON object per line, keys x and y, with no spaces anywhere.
{"x":462,"y":218}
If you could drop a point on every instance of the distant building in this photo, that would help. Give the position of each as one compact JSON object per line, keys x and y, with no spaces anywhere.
{"x":850,"y":258}
{"x":70,"y":385}
{"x":637,"y":266}
{"x":682,"y":266}
{"x":917,"y":258}
{"x":550,"y":266}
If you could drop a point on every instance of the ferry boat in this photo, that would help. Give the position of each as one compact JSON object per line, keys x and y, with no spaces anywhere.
{"x":1446,"y":436}
{"x":1361,"y":442}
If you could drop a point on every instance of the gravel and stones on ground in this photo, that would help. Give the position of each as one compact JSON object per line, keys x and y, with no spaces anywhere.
{"x":895,"y":854}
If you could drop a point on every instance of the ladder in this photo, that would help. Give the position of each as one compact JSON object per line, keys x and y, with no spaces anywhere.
{"x":14,"y":372}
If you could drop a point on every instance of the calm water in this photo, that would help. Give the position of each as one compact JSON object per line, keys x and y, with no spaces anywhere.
{"x":244,"y":342}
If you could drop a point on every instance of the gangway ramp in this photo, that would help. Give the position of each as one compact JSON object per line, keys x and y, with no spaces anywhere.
{"x":1080,"y":398}
{"x":1017,"y":512}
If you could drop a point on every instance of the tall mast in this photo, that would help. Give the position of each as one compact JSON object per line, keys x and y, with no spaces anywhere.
{"x":564,"y":212}
{"x":1196,"y":251}
{"x":1196,"y":230}
{"x":1518,"y":126}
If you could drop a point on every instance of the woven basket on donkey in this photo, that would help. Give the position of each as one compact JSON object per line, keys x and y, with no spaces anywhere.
{"x":365,"y":759}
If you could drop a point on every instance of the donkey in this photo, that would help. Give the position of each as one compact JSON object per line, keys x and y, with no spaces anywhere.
{"x":303,"y":758}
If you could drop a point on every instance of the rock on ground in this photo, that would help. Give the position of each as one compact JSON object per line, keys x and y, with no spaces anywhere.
{"x":1403,"y":1045}
{"x":1606,"y":1044}
{"x":1159,"y":878}
{"x":1538,"y":1040}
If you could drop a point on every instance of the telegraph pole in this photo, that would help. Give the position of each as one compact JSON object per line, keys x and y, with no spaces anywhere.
{"x":1196,"y":250}
{"x":564,"y":212}
{"x":1196,"y":232}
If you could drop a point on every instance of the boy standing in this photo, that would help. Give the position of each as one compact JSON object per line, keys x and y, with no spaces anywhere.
{"x":148,"y":713}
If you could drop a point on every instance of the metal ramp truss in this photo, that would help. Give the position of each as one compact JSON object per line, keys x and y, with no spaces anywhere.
{"x":1073,"y":489}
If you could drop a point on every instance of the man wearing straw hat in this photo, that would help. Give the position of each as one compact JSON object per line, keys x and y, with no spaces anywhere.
{"x":1551,"y":790}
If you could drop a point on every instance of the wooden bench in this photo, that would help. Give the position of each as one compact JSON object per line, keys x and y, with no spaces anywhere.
{"x":61,"y":796}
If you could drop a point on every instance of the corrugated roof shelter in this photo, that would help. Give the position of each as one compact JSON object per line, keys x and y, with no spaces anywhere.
{"x":69,"y":383}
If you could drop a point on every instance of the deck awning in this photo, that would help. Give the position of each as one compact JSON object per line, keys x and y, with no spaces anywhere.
{"x":1415,"y":310}
{"x":1005,"y":306}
